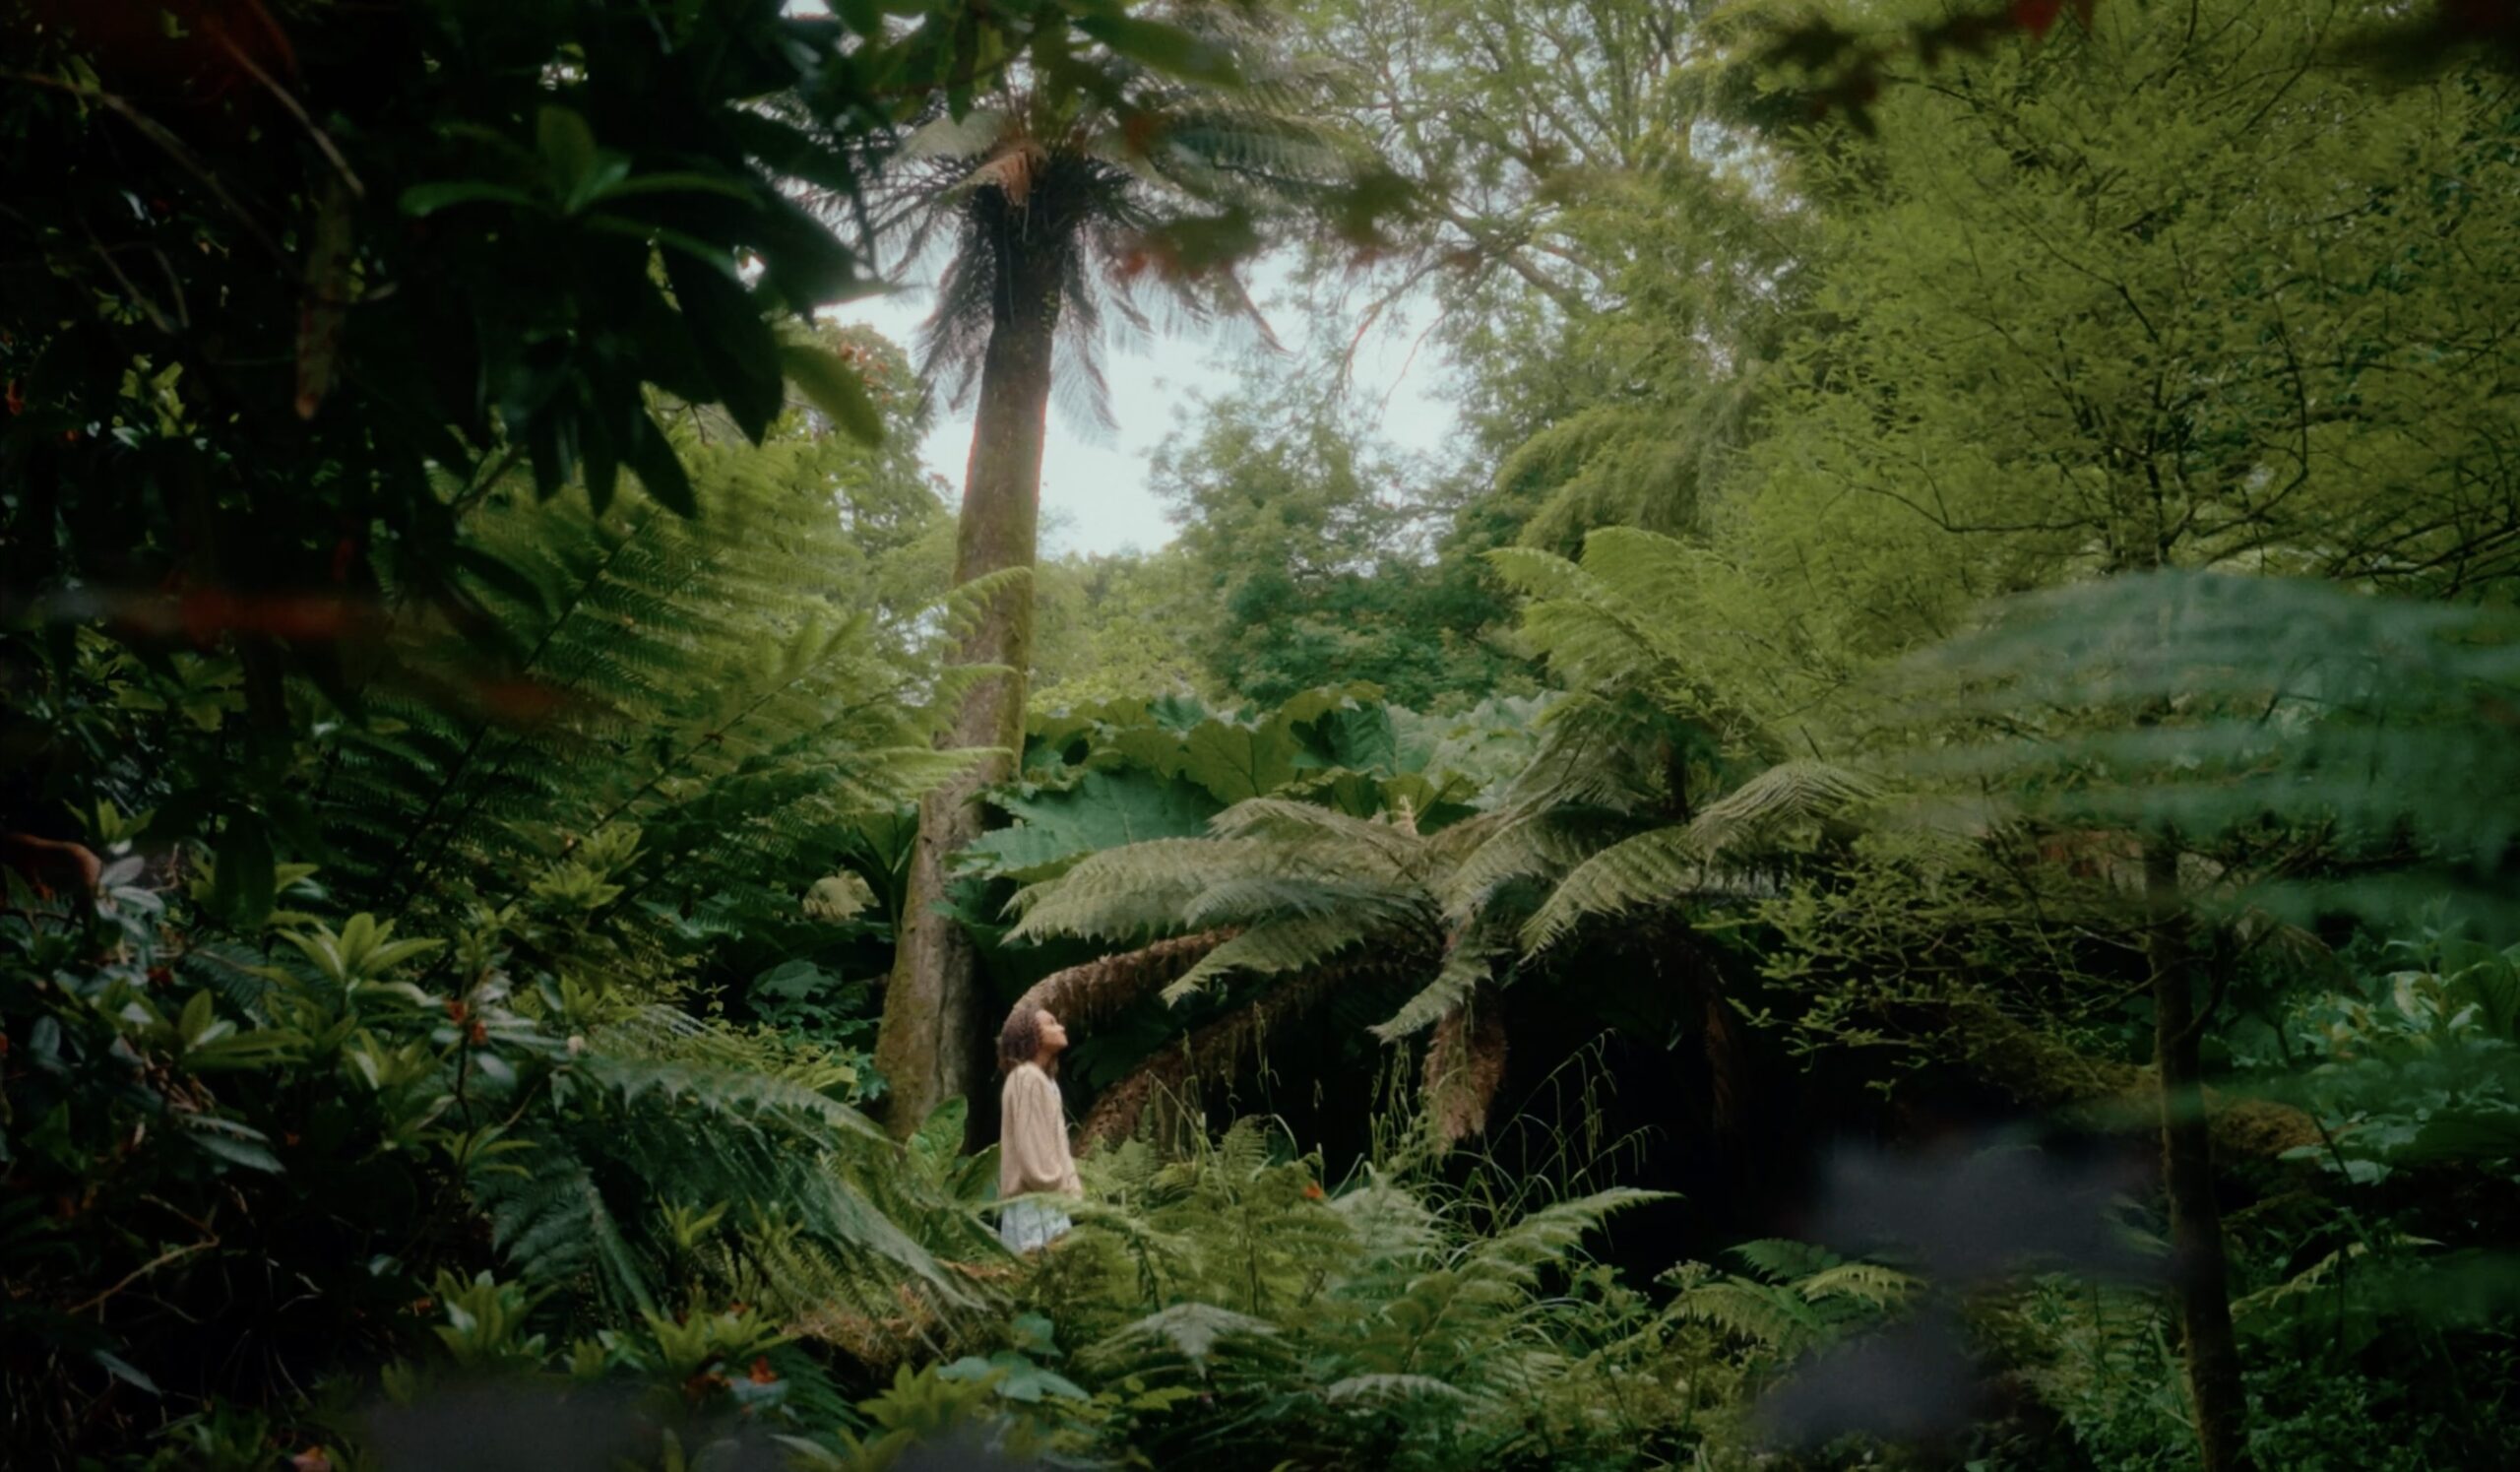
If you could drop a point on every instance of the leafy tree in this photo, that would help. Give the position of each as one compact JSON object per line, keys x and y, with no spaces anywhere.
{"x":1116,"y":626}
{"x":1583,"y":187}
{"x":1310,"y":551}
{"x":1487,"y":118}
{"x":1057,"y":209}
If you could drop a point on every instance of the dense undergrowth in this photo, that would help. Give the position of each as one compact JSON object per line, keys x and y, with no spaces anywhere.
{"x":1941,"y":897}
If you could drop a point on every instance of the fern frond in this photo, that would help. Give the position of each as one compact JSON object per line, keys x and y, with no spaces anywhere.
{"x":1277,"y":817}
{"x":1665,"y":866}
{"x":1868,"y":1282}
{"x":1192,"y":1332}
{"x":1471,"y":964}
{"x":1285,"y":946}
{"x":1388,"y":1386}
{"x":1784,"y":1258}
{"x":1392,"y":1226}
{"x":1085,"y":994}
{"x":1137,"y":889}
{"x":1536,"y":842}
{"x":1556,"y":1231}
{"x":967,"y":604}
{"x":552,"y":1224}
{"x":2210,"y":703}
{"x":1772,"y":1317}
{"x":1366,"y":904}
{"x":1785,"y":795}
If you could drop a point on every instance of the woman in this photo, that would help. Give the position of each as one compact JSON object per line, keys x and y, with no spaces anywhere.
{"x":1033,"y":1154}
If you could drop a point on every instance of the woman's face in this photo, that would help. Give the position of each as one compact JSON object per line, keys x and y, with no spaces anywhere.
{"x":1053,"y":1036}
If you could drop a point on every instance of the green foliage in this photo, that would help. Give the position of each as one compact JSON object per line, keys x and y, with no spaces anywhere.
{"x":2355,"y":1364}
{"x":1309,"y":560}
{"x":2299,"y":728}
{"x":399,"y":802}
{"x":1115,"y":627}
{"x":1100,"y":775}
{"x":385,"y":265}
{"x":1665,"y":781}
{"x":1347,"y":818}
{"x":1376,"y":1325}
{"x":1795,"y":1297}
{"x":326,"y":1107}
{"x":2411,"y":1064}
{"x":745,"y":718}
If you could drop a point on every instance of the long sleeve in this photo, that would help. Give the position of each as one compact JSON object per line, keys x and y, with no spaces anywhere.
{"x":1032,"y":1148}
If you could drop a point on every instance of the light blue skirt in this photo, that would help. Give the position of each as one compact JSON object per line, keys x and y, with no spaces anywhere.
{"x":1023,"y":1225}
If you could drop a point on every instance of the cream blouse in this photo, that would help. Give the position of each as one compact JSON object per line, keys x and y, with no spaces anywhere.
{"x":1032,"y":1153}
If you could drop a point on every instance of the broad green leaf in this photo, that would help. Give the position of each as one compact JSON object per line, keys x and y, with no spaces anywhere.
{"x":1235,"y":761}
{"x":1166,"y":49}
{"x":235,"y":1144}
{"x":567,"y":146}
{"x":836,"y":389}
{"x":196,"y":1017}
{"x":423,"y":200}
{"x":1360,"y":737}
{"x":122,"y":1370}
{"x":659,"y":469}
{"x":1104,"y":811}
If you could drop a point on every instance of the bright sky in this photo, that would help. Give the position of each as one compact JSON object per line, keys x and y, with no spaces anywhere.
{"x":1095,"y":497}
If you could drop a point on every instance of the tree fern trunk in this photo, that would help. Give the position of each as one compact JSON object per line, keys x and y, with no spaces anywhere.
{"x":933,"y":1042}
{"x":2203,"y":1281}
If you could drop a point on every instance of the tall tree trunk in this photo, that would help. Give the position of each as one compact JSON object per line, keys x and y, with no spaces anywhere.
{"x":2203,"y":1273}
{"x":934,"y":1041}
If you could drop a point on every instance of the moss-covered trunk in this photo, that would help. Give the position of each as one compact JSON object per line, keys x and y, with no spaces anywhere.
{"x":934,"y":1040}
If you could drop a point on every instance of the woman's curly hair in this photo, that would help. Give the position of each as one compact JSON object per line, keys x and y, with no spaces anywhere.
{"x":1020,"y":1041}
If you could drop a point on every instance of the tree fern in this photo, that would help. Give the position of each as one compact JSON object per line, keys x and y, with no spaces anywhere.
{"x":1288,"y":891}
{"x":1666,"y":782}
{"x":2220,"y":708}
{"x":1084,"y":995}
{"x":1216,"y":1051}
